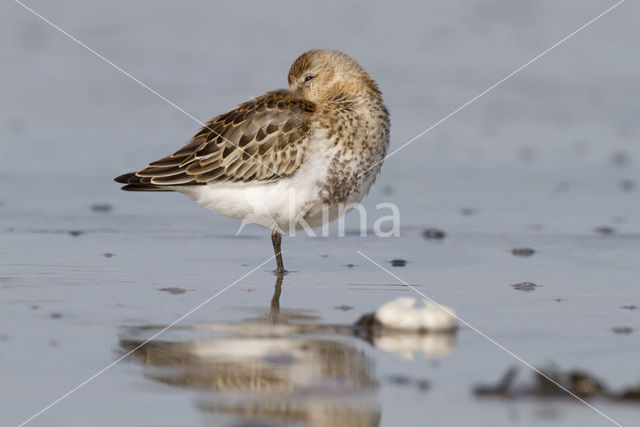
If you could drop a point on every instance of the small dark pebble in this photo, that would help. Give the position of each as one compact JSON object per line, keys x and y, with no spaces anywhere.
{"x":422,"y":385}
{"x":524,"y":286}
{"x":350,"y":265}
{"x":343,"y":307}
{"x":101,"y":207}
{"x":630,"y":307}
{"x":173,"y":290}
{"x":35,"y":307}
{"x":398,"y":379}
{"x":433,"y":233}
{"x":388,"y":190}
{"x":620,"y":158}
{"x":526,"y":153}
{"x":55,"y":315}
{"x":558,"y":300}
{"x":622,"y":330}
{"x":76,"y":233}
{"x":522,"y":251}
{"x":107,"y":254}
{"x":467,"y":211}
{"x":627,"y":185}
{"x":605,"y":230}
{"x":398,"y":263}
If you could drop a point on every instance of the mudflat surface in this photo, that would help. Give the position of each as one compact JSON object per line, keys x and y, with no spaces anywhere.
{"x":547,"y":161}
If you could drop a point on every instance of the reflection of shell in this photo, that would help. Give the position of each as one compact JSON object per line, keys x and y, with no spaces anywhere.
{"x":275,"y":375}
{"x":403,"y":345}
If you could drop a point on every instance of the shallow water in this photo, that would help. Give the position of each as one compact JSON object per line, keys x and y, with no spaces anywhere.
{"x":541,"y":162}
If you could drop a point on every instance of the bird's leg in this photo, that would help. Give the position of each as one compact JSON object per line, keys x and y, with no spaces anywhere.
{"x":276,"y":239}
{"x":274,"y":313}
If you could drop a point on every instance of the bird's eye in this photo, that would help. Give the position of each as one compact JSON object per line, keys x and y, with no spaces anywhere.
{"x":308,"y":78}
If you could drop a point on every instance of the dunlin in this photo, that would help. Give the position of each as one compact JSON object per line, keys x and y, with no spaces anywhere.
{"x":288,"y":159}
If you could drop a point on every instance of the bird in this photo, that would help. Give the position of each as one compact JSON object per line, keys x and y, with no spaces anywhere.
{"x":289,"y":159}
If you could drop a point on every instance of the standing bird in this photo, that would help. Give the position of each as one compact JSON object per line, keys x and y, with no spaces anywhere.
{"x":288,"y":159}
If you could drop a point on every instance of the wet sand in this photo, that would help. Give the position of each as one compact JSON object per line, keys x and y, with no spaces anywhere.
{"x":547,"y":162}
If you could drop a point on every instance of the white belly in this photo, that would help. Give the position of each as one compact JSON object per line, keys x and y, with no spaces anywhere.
{"x":278,"y":204}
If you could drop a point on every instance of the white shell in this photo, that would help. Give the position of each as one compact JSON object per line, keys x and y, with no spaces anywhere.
{"x":403,"y":313}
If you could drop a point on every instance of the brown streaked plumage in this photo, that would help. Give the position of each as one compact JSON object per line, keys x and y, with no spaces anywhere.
{"x":321,"y":140}
{"x":259,"y":140}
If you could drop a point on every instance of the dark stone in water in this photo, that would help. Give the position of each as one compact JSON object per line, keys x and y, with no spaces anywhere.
{"x":388,"y":190}
{"x":605,"y":230}
{"x":76,"y":233}
{"x":101,"y":207}
{"x":173,"y":290}
{"x":108,"y":255}
{"x":398,"y":263}
{"x":433,"y":233}
{"x":631,"y":393}
{"x":620,"y":158}
{"x":630,"y":307}
{"x":524,"y":286}
{"x":622,"y":330}
{"x":627,"y":185}
{"x":399,"y":379}
{"x":522,"y":251}
{"x":55,"y":316}
{"x":343,"y":307}
{"x":526,"y":153}
{"x":422,"y":385}
{"x":578,"y":382}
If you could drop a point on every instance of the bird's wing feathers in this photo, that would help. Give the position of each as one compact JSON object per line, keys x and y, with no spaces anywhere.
{"x":260,"y":140}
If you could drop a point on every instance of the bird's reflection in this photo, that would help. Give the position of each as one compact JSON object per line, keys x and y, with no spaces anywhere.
{"x":270,"y":370}
{"x":281,"y":367}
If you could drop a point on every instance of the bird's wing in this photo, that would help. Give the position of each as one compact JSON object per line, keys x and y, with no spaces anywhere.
{"x":260,"y":140}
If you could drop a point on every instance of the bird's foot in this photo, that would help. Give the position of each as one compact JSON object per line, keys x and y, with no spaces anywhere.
{"x":280,"y":272}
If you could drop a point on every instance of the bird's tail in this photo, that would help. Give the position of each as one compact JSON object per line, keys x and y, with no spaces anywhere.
{"x":134,"y":182}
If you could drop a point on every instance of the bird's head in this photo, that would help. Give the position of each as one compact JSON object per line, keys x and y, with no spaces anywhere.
{"x":325,"y":76}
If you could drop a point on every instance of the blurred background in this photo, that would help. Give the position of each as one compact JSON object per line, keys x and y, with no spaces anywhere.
{"x":548,"y":159}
